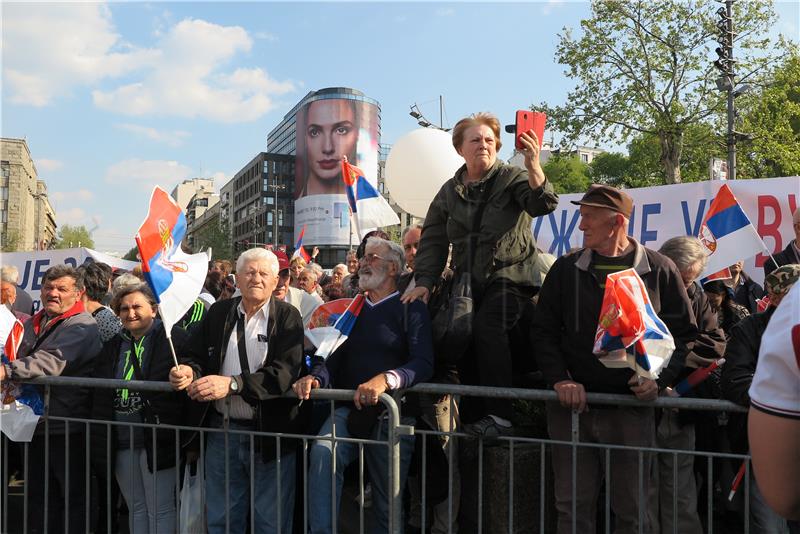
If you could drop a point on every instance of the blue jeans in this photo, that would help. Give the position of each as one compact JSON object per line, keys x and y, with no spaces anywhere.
{"x":267,"y":501}
{"x":377,"y":461}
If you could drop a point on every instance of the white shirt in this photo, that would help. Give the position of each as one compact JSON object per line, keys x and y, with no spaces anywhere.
{"x":255,"y":333}
{"x":776,"y":384}
{"x":303,"y":301}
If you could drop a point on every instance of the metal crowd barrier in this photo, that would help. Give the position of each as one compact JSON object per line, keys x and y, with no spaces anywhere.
{"x":455,"y":438}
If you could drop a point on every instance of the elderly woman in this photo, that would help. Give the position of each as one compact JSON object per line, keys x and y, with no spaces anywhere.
{"x":485,"y":211}
{"x":146,"y":475}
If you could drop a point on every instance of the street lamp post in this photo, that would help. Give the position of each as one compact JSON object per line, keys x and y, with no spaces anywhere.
{"x":425,"y":123}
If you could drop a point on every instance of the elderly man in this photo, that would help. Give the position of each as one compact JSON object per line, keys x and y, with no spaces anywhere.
{"x":24,"y":302}
{"x":305,"y":303}
{"x":564,"y":328}
{"x":389,"y":348}
{"x":60,"y":340}
{"x":789,"y":255}
{"x":410,"y":238}
{"x":737,"y":376}
{"x":676,"y":430}
{"x":247,"y":352}
{"x":308,"y":282}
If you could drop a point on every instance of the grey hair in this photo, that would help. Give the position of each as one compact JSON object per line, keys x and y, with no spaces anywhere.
{"x":340,"y":266}
{"x":129,"y":289}
{"x":408,"y":229}
{"x":311,"y":270}
{"x":123,"y":281}
{"x":685,"y":251}
{"x":396,"y":254}
{"x":60,"y":271}
{"x":258,"y":254}
{"x":10,"y":274}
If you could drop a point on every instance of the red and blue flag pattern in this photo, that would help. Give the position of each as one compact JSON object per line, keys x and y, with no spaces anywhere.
{"x":727,"y":233}
{"x":629,"y":332}
{"x":368,"y":208}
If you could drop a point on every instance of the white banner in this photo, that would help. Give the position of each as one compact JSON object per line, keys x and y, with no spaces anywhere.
{"x":33,"y":264}
{"x":667,"y":211}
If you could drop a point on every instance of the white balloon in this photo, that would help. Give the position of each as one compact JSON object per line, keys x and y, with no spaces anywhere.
{"x":417,"y":166}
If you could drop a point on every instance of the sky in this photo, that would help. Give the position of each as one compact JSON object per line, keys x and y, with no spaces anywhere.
{"x":114,"y":98}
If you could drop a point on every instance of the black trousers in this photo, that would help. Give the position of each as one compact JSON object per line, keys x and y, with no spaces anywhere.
{"x":65,"y":501}
{"x":499,"y":307}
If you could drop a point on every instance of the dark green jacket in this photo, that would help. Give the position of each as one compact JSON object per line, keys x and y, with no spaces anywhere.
{"x":504,"y":246}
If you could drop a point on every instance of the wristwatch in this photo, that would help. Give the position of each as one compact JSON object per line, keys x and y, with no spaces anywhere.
{"x":234,"y":387}
{"x":392,"y":382}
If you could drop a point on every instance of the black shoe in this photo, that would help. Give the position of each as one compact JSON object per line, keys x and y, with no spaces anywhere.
{"x":488,"y":428}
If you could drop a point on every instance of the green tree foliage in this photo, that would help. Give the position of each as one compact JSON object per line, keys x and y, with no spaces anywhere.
{"x":645,"y":68}
{"x":642,"y":167}
{"x":568,"y":174}
{"x":772,"y":115}
{"x":132,"y":254}
{"x":217,"y":237}
{"x":74,"y":236}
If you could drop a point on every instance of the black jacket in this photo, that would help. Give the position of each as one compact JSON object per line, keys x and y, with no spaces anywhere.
{"x":568,"y":309}
{"x":741,"y":358}
{"x":747,"y":293}
{"x":786,"y":256}
{"x":160,"y":408}
{"x":263,"y":388}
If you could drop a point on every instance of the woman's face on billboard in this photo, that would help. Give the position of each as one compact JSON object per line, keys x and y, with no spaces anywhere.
{"x":331,"y":133}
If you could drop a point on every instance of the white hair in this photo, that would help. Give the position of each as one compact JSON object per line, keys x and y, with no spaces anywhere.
{"x":122,"y":281}
{"x":340,"y":266}
{"x":396,"y":254}
{"x":10,"y":274}
{"x":257,"y":254}
{"x":312,"y":271}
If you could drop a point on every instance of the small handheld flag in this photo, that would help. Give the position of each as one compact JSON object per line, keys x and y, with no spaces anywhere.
{"x":299,"y":251}
{"x":175,"y":277}
{"x":629,"y":333}
{"x":368,"y":208}
{"x":328,"y":338}
{"x":696,"y":377}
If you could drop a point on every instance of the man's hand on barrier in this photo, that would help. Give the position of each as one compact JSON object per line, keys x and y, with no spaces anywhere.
{"x":180,"y":377}
{"x":418,"y":292}
{"x":644,"y":388}
{"x":571,"y":395}
{"x":367,"y":393}
{"x":210,"y":388}
{"x":304,"y":386}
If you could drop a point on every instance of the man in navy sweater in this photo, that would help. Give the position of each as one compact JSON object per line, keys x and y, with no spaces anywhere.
{"x":389,"y":348}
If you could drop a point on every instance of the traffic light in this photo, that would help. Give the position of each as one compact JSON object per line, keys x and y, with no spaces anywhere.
{"x":725,"y":61}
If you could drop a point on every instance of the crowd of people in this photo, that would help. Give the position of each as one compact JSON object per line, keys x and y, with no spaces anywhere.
{"x":241,"y":348}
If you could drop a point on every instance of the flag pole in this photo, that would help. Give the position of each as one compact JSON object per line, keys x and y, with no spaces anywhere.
{"x":168,"y":331}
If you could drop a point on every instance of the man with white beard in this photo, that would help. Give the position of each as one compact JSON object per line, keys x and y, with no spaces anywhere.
{"x":389,"y":348}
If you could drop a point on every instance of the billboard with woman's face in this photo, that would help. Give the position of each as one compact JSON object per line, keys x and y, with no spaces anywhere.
{"x":327,"y":130}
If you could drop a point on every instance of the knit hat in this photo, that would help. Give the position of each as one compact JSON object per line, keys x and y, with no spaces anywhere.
{"x":779,"y":281}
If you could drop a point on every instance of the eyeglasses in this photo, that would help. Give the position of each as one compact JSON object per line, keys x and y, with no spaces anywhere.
{"x":370,"y":257}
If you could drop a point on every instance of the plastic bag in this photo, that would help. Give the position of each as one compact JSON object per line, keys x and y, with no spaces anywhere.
{"x":192,"y":518}
{"x":18,"y":421}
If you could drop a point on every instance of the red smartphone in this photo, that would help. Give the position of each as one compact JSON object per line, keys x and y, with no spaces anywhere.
{"x":529,"y":120}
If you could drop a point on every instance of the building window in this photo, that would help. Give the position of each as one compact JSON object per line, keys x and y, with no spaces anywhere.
{"x":269,"y":217}
{"x":585,"y":158}
{"x":280,"y":217}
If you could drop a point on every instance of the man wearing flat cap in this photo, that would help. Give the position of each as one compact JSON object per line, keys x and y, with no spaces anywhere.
{"x":565,"y":325}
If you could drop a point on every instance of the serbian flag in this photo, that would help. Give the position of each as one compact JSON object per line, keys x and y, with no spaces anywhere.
{"x":726,"y":233}
{"x":368,"y":208}
{"x":20,"y":404}
{"x":724,"y":274}
{"x":175,"y":277}
{"x":332,"y":322}
{"x":629,"y":332}
{"x":299,"y":251}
